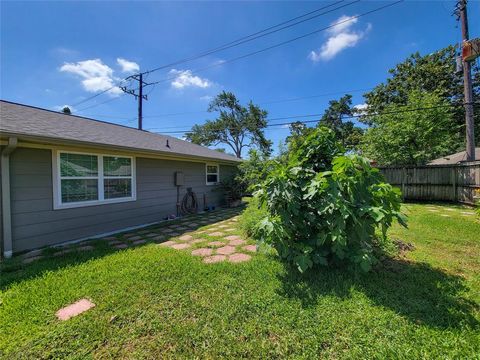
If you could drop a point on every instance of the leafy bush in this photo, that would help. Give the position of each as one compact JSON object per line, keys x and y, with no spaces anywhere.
{"x":233,"y":188}
{"x":324,"y":208}
{"x":254,"y":170}
{"x":249,"y":220}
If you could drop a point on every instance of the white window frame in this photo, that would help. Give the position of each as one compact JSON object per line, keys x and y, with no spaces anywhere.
{"x":57,"y":188}
{"x":207,"y":173}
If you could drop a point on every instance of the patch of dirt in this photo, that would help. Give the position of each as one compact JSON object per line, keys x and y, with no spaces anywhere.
{"x":403,"y":246}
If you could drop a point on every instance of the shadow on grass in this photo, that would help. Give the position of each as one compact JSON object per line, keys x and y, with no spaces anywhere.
{"x":14,"y":270}
{"x":424,"y":295}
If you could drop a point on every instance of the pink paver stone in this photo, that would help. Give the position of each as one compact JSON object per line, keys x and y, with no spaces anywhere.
{"x":135,"y":238}
{"x":196,"y":241}
{"x":192,"y":225}
{"x":85,"y":248}
{"x":217,"y":233}
{"x":121,"y":246}
{"x":222,"y":226}
{"x":33,"y":253}
{"x":237,"y":242}
{"x":186,"y":237}
{"x":114,"y":242}
{"x":180,"y":246}
{"x":251,"y":248}
{"x":202,"y":252}
{"x":226,"y":250}
{"x":229,"y":229}
{"x":216,"y":243}
{"x":233,"y":237}
{"x":214,"y":259}
{"x":236,"y":258}
{"x":75,"y":309}
{"x":168,"y":243}
{"x":158,"y":238}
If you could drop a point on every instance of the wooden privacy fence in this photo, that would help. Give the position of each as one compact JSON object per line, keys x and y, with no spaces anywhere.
{"x":455,"y":183}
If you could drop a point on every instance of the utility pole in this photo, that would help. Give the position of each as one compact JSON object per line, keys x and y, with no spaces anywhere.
{"x":467,"y":84}
{"x":139,"y":96}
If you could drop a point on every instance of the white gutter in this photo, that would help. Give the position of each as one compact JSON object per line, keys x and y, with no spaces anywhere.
{"x":6,"y":205}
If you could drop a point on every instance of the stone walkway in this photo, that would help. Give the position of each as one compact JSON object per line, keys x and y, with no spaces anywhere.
{"x":213,"y":236}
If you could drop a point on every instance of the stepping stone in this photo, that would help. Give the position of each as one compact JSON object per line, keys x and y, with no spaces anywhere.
{"x":236,"y":258}
{"x":216,"y":243}
{"x":196,"y":241}
{"x":110,"y":238}
{"x":229,"y":229}
{"x":85,"y":248}
{"x":251,"y":248}
{"x":128,"y":235}
{"x":468,"y":213}
{"x":237,"y":242}
{"x":168,"y":231}
{"x":186,"y":237}
{"x":74,"y":309}
{"x":449,"y":209}
{"x":121,"y":246}
{"x":175,"y":233}
{"x":143,"y":232}
{"x":233,"y":237}
{"x":168,"y":243}
{"x":202,"y":252}
{"x":200,"y":232}
{"x":433,"y":210}
{"x":214,"y":259}
{"x":33,"y":253}
{"x":139,"y":242}
{"x":444,"y":215}
{"x":222,"y":226}
{"x":31,"y":259}
{"x":183,"y":228}
{"x":226,"y":250}
{"x":152,"y":234}
{"x":176,"y":227}
{"x":134,"y":238}
{"x":180,"y":246}
{"x":217,"y":233}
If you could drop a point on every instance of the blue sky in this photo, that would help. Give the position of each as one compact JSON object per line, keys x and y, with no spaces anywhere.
{"x":60,"y":53}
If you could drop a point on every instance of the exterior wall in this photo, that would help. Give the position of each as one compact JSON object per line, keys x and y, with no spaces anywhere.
{"x":36,"y":224}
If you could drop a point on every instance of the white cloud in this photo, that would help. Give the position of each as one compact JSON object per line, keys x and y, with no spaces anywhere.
{"x":341,"y":37}
{"x":185,"y":78}
{"x":128,"y":66}
{"x":96,"y":76}
{"x":360,"y":109}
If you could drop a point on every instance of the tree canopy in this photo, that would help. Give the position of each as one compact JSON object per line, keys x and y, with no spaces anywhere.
{"x":237,"y":126}
{"x":398,"y":137}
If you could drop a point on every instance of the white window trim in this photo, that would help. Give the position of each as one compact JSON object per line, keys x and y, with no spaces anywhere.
{"x":57,"y":189}
{"x":207,"y":173}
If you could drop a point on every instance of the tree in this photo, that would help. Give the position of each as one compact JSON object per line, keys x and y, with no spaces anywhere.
{"x":430,"y":73}
{"x":237,"y":126}
{"x":255,"y":169}
{"x":345,"y":131}
{"x":398,"y":137}
{"x":66,"y":110}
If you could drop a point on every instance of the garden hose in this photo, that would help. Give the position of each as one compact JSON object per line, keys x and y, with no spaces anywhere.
{"x":189,"y":203}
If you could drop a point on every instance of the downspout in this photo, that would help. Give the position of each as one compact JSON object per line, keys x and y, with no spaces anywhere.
{"x":6,"y":206}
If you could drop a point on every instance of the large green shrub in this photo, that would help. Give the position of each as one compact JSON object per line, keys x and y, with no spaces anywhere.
{"x":325,"y":208}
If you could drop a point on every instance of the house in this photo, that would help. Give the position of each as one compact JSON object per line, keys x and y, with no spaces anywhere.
{"x":67,"y":178}
{"x":456,"y":158}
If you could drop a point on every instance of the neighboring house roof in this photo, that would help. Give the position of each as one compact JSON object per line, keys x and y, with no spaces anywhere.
{"x":455,"y":158}
{"x":32,"y":122}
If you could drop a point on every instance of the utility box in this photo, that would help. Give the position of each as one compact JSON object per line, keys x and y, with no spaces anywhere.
{"x":179,"y":178}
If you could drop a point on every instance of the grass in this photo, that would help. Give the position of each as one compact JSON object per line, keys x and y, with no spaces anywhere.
{"x":156,"y":302}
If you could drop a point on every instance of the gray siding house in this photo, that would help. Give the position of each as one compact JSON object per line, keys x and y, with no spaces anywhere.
{"x":66,"y":178}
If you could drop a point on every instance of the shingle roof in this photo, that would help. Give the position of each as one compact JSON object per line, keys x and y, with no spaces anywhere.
{"x":18,"y":119}
{"x":455,"y":158}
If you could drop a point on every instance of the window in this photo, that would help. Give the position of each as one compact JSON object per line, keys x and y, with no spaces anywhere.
{"x":212,"y":174}
{"x":91,"y":179}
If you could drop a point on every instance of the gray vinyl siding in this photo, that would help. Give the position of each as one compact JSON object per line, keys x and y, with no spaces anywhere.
{"x":36,"y":224}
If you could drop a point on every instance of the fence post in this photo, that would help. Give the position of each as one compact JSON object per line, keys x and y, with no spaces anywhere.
{"x":454,"y":182}
{"x":404,"y":175}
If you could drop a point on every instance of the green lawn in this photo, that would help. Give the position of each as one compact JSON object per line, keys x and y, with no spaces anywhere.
{"x":156,"y":302}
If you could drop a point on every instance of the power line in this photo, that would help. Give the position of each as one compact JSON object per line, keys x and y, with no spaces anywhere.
{"x":256,"y":35}
{"x":234,"y":43}
{"x":276,"y":45}
{"x":343,"y":117}
{"x":285,"y":42}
